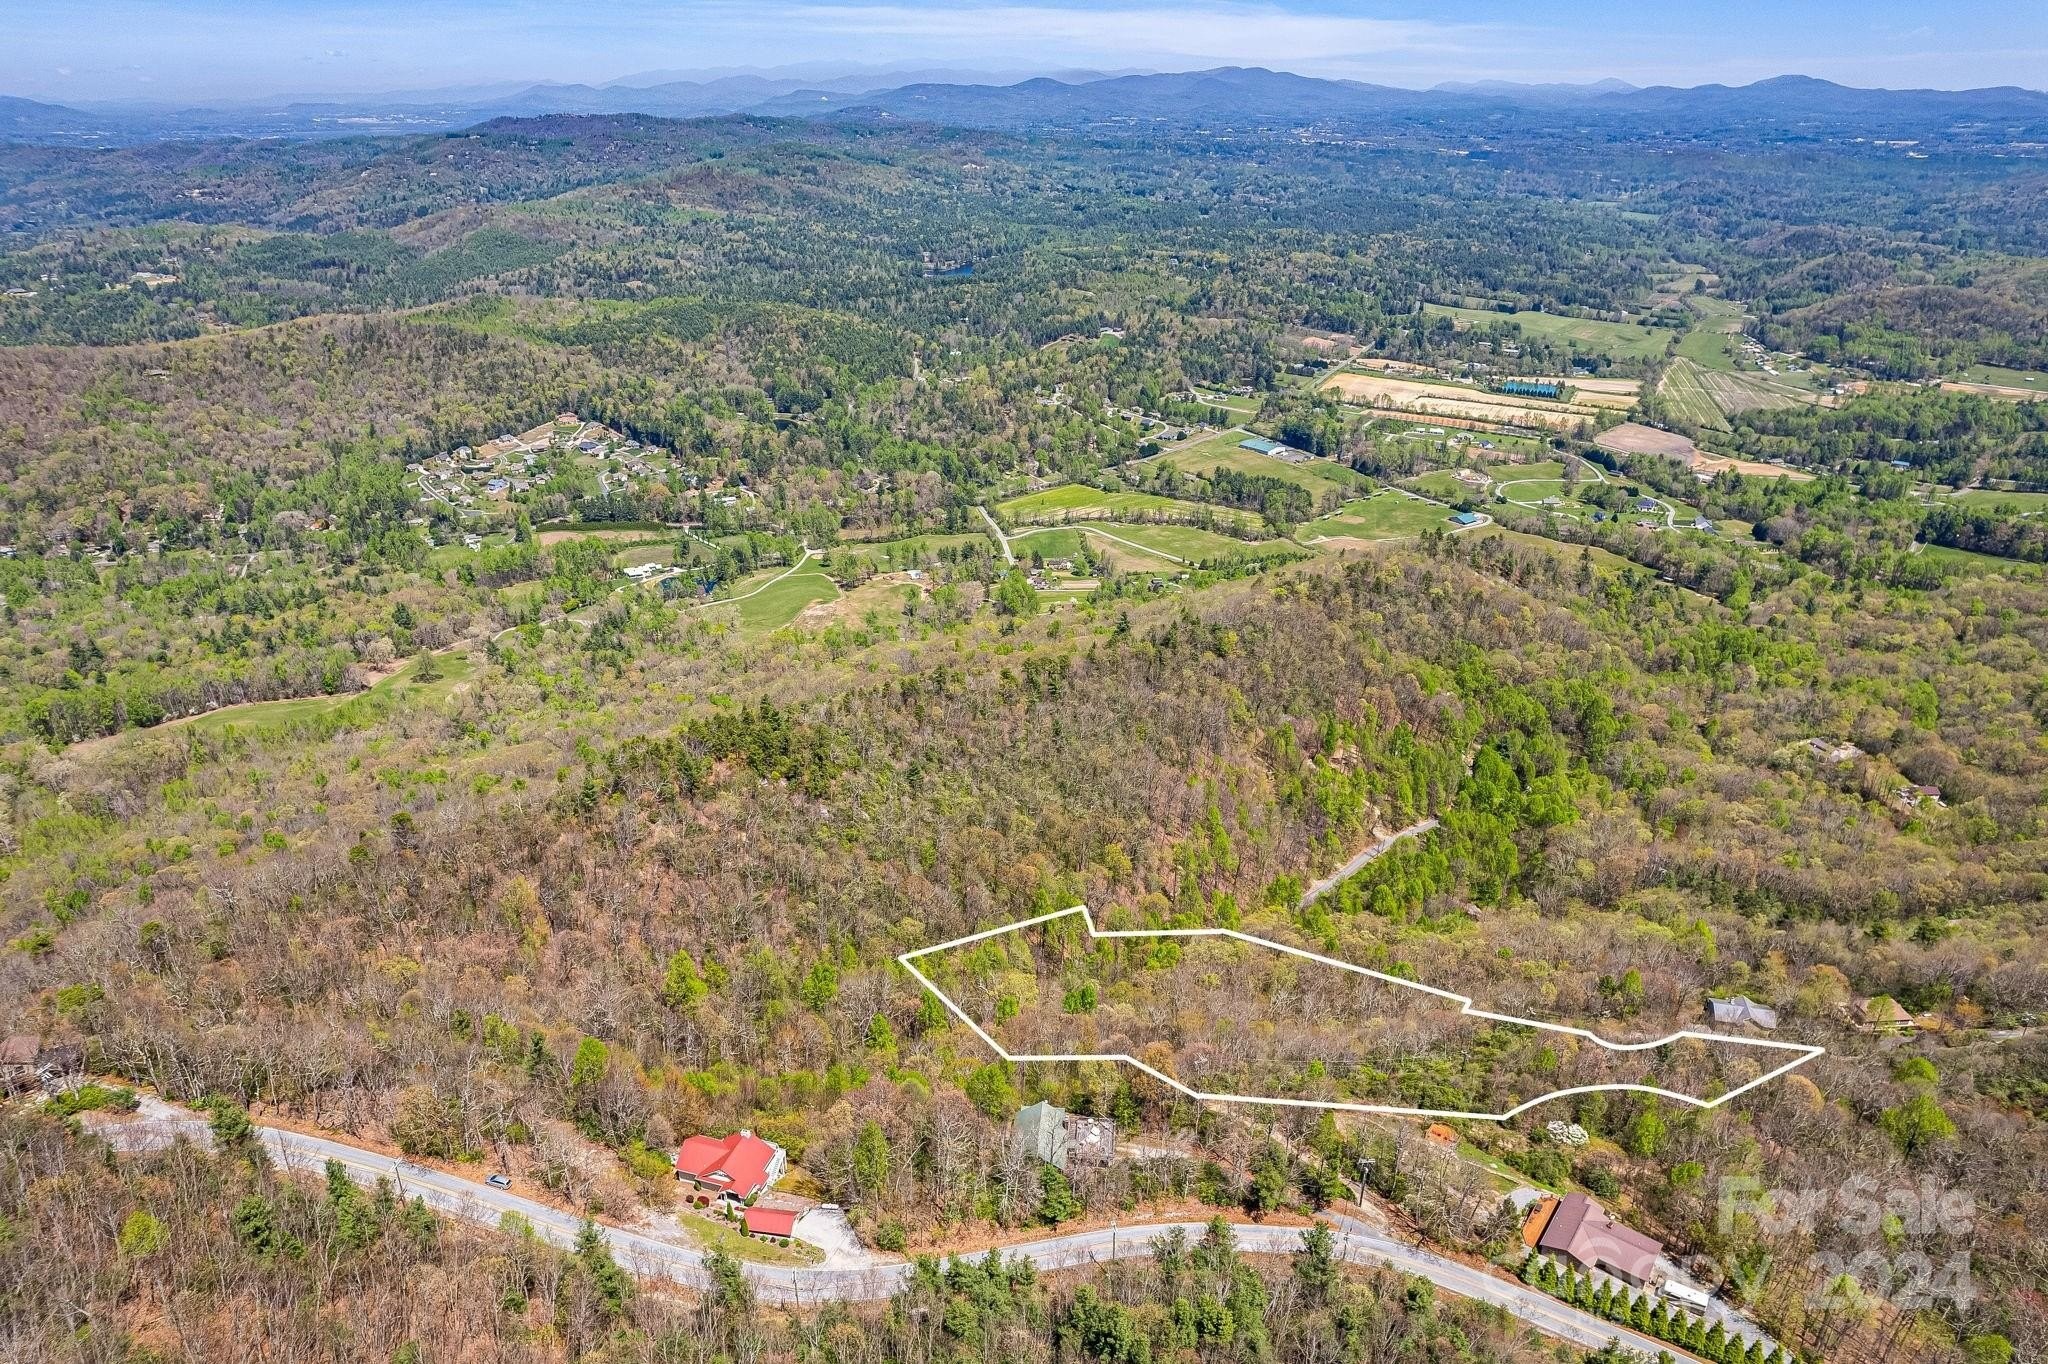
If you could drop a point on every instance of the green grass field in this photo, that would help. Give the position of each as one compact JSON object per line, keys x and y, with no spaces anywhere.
{"x":1615,"y":338}
{"x":907,"y":552}
{"x":1080,"y":500}
{"x":1225,"y":451}
{"x":1188,"y":542}
{"x":1054,"y":542}
{"x":1531,"y":491}
{"x":1442,"y":485}
{"x":2011,"y":378}
{"x":775,"y":606}
{"x":1968,"y":561}
{"x":1383,"y":516}
{"x":1991,"y":497}
{"x":400,"y":687}
{"x":644,"y":554}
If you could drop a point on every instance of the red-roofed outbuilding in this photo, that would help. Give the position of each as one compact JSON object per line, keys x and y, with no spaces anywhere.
{"x":770,"y":1222}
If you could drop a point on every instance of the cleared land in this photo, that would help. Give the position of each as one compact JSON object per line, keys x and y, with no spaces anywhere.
{"x":1225,"y":451}
{"x":1587,"y":334}
{"x":1417,"y":397}
{"x":1189,"y":543}
{"x":1633,"y":438}
{"x":1383,"y":516}
{"x":1683,"y":387}
{"x":454,"y":669}
{"x":1991,"y":497}
{"x":1079,"y":501}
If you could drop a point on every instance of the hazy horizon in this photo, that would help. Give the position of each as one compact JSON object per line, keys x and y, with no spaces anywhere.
{"x":73,"y":51}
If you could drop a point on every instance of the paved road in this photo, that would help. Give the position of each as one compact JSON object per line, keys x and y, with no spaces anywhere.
{"x":651,"y":1257}
{"x":997,"y":531}
{"x":1350,"y":869}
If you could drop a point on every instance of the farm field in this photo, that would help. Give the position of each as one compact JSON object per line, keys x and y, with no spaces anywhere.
{"x":1383,"y":516}
{"x":1420,"y":398}
{"x":1621,"y":339}
{"x":1683,"y":386}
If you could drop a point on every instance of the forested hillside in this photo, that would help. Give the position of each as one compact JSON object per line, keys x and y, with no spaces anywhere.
{"x":506,"y":636}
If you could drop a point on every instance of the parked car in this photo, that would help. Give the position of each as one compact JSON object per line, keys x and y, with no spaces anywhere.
{"x":499,"y":1181}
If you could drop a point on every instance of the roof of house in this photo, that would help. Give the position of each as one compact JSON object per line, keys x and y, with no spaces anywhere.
{"x":1466,"y":518}
{"x":19,"y":1050}
{"x":1581,"y":1229}
{"x":1885,"y":1009}
{"x":738,"y":1163}
{"x":1042,"y":1130}
{"x":1743,"y":1009}
{"x":770,"y":1221}
{"x":1259,"y":444}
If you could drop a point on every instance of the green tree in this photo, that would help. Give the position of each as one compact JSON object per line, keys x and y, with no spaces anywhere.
{"x":870,"y":1159}
{"x":1056,"y":1201}
{"x":682,"y":985}
{"x":1315,"y":1265}
{"x":1916,"y":1124}
{"x":143,"y":1235}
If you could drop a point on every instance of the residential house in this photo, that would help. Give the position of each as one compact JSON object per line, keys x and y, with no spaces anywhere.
{"x":1580,"y":1231}
{"x":736,"y":1167}
{"x":1742,"y":1009}
{"x":1047,"y":1132}
{"x":1883,"y":1014}
{"x":1465,"y":518}
{"x":1827,"y":750}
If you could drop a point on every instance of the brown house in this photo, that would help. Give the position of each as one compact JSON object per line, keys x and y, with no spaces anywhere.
{"x":1580,"y":1231}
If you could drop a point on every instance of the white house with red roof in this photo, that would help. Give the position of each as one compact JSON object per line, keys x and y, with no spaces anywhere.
{"x":735,"y":1167}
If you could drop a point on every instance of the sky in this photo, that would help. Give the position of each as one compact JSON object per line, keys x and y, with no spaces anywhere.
{"x":199,"y":50}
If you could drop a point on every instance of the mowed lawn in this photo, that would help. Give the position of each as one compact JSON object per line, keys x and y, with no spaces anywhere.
{"x":1383,"y":516}
{"x":1615,"y":338}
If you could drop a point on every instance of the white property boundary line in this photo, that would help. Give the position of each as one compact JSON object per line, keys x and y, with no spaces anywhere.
{"x":1464,"y":1003}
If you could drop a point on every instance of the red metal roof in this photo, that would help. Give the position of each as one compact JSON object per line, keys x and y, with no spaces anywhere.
{"x":770,"y":1221}
{"x":738,"y":1163}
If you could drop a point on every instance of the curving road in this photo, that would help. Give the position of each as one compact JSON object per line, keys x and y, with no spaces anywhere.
{"x":653,"y":1258}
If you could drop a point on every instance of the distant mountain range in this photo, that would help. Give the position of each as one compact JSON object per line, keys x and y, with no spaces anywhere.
{"x":1130,"y":102}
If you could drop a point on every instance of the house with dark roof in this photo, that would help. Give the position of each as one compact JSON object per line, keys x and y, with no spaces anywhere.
{"x":735,"y":1167}
{"x":1580,"y":1231}
{"x":1742,"y":1009}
